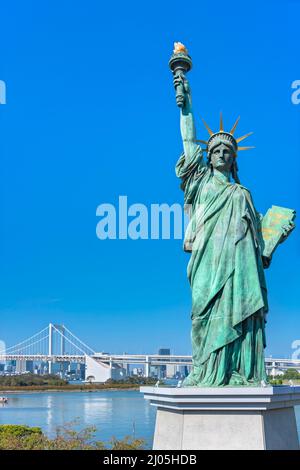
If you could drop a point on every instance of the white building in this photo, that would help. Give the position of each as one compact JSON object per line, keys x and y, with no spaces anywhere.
{"x":100,"y":372}
{"x":171,"y":370}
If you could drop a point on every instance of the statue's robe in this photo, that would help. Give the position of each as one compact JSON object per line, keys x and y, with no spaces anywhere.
{"x":229,"y":296}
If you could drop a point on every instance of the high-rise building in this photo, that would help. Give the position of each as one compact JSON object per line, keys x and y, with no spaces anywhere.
{"x":126,"y":366}
{"x":171,"y":370}
{"x":82,"y":369}
{"x":162,"y":370}
{"x":164,"y":351}
{"x":29,"y":366}
{"x":20,"y":366}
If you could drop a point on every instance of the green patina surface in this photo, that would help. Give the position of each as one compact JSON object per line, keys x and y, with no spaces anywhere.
{"x":226,"y":267}
{"x":229,"y":298}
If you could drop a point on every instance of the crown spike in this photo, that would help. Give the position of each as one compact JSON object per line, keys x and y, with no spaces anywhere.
{"x":202,"y":142}
{"x":244,"y":137}
{"x":234,"y":126}
{"x":207,"y":127}
{"x":221,"y":122}
{"x":245,"y":148}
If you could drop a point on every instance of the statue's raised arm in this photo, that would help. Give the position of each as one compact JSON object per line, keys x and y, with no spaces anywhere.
{"x":187,"y":123}
{"x":180,"y":63}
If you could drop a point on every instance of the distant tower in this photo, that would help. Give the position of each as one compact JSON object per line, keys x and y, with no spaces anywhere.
{"x":2,"y":349}
{"x":62,"y":343}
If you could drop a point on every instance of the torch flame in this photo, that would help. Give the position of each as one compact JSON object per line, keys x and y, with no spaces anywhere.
{"x":179,"y":48}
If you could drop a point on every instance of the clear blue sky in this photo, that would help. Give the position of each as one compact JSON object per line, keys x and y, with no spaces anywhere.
{"x":91,"y":115}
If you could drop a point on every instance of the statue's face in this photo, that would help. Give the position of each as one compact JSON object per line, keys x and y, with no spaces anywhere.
{"x":222,"y":157}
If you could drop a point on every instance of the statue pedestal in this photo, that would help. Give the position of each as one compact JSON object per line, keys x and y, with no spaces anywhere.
{"x":224,"y":417}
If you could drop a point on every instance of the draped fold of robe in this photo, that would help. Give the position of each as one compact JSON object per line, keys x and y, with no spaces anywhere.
{"x":225,"y":271}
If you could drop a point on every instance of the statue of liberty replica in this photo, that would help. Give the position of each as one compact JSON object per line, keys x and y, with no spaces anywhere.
{"x":230,"y":244}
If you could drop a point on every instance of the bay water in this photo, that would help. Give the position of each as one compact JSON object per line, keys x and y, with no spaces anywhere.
{"x":113,"y":413}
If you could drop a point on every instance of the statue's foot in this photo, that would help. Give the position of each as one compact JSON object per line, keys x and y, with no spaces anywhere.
{"x":238,"y":380}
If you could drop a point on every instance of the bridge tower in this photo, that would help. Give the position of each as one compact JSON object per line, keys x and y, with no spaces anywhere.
{"x":52,"y":329}
{"x":62,"y":342}
{"x":50,"y":347}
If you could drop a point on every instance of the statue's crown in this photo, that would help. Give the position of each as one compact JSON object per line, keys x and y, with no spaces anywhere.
{"x":222,"y":136}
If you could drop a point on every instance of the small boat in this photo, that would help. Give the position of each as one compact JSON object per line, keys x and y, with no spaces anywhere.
{"x":3,"y":400}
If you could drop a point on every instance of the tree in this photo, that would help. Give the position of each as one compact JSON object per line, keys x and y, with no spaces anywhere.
{"x":15,"y":437}
{"x":90,"y":379}
{"x":291,"y":374}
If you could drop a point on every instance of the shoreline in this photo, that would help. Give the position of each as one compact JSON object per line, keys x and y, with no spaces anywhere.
{"x":71,"y":391}
{"x":64,"y":389}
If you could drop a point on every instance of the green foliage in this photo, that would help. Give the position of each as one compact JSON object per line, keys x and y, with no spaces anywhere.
{"x":16,"y":437}
{"x":26,"y":380}
{"x":291,"y":374}
{"x":18,"y":430}
{"x":48,"y":382}
{"x":133,"y":380}
{"x":128,"y":443}
{"x":275,"y":381}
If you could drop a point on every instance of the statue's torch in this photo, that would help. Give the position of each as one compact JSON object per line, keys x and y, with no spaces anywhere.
{"x":180,"y":63}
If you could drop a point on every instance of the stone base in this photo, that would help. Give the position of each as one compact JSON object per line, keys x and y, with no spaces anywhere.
{"x":192,"y":418}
